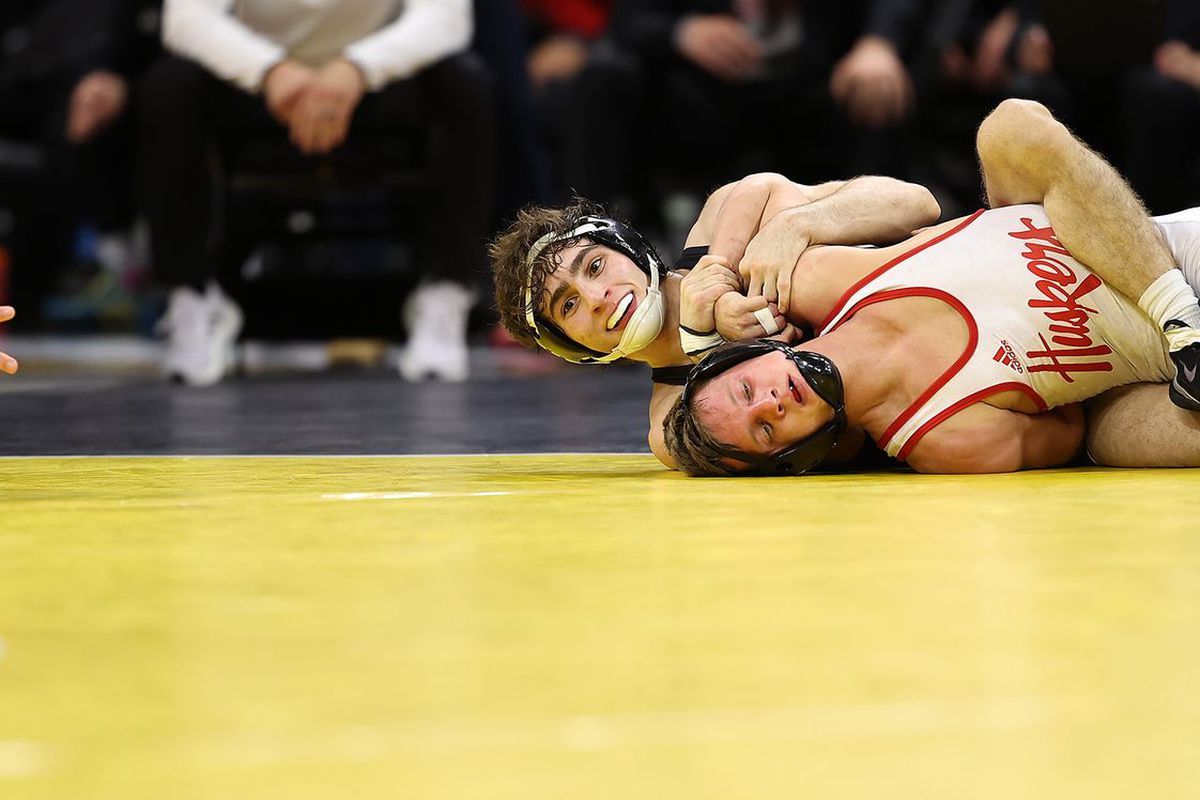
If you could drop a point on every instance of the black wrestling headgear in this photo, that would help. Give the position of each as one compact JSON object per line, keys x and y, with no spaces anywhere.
{"x":647,"y":320}
{"x":818,"y":372}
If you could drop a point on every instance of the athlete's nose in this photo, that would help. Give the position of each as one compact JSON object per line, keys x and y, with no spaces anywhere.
{"x":595,"y":296}
{"x":769,"y":405}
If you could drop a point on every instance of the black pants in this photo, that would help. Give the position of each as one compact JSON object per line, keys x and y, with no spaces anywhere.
{"x":1161,"y":124}
{"x":625,"y":119}
{"x":185,"y":111}
{"x":47,"y":199}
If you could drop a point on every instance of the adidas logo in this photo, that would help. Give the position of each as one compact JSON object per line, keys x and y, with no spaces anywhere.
{"x":1004,"y":355}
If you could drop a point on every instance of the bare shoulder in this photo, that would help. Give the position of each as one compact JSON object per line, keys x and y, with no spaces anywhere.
{"x":983,"y":438}
{"x":978,"y":439}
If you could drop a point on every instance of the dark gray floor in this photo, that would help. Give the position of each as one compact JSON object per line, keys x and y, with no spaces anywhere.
{"x":591,"y":409}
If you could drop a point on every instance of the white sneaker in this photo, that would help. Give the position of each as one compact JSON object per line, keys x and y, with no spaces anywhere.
{"x":435,"y":315}
{"x":201,"y":331}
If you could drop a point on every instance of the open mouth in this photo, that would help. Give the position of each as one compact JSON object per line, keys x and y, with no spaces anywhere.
{"x":621,"y":313}
{"x":795,"y":390}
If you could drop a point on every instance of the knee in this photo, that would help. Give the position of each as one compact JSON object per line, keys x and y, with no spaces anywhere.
{"x":1016,"y":114}
{"x":1020,"y":130}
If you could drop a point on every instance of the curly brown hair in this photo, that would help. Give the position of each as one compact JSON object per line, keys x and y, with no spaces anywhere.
{"x":509,"y":250}
{"x":695,"y":450}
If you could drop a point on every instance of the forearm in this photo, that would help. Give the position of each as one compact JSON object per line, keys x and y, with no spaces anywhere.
{"x":740,"y":213}
{"x":427,"y":31}
{"x":1030,"y":157}
{"x":866,"y":210}
{"x":204,"y":31}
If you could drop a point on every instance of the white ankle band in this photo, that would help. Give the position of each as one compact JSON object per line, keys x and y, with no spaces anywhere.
{"x":1170,"y":297}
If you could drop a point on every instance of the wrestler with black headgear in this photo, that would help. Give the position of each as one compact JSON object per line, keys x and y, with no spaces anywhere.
{"x":591,"y":290}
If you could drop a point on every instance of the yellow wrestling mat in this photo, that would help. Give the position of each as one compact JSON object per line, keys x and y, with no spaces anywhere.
{"x":592,"y":627}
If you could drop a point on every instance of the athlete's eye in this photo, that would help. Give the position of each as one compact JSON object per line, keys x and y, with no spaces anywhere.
{"x":568,"y":306}
{"x":746,"y":390}
{"x":594,"y":267}
{"x":766,"y":429}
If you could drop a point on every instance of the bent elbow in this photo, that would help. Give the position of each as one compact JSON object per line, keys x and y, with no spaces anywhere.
{"x":913,"y":207}
{"x":658,"y":447}
{"x":929,"y":210}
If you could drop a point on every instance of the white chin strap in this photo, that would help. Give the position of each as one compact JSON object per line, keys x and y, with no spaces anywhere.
{"x":642,"y":329}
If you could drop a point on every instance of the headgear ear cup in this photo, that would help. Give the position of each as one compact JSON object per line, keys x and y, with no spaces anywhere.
{"x":644,"y":325}
{"x":818,"y":372}
{"x":647,"y":320}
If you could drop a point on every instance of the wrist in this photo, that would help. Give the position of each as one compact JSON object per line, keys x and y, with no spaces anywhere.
{"x":810,"y":223}
{"x":696,"y":344}
{"x":698,"y":323}
{"x":271,"y":71}
{"x":350,"y":66}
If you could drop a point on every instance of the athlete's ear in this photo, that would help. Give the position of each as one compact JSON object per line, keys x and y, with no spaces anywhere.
{"x":734,"y":464}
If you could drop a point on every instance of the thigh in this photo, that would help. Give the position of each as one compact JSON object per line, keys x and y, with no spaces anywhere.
{"x":1138,"y":426}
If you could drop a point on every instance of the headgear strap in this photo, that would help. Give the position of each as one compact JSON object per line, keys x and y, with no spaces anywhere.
{"x":647,"y":320}
{"x":818,"y":372}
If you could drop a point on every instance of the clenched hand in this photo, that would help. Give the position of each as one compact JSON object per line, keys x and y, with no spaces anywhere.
{"x":708,"y":281}
{"x":320,"y":120}
{"x":770,"y":259}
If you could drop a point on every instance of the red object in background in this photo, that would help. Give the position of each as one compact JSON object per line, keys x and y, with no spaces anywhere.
{"x":586,"y":18}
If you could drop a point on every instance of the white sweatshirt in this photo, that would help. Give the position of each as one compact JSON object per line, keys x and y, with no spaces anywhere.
{"x":239,"y":40}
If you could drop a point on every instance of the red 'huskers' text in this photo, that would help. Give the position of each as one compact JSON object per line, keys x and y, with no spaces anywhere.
{"x":1061,"y":295}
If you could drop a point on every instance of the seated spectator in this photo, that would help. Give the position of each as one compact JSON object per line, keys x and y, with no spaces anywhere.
{"x":64,"y":89}
{"x":802,"y":88}
{"x":1161,"y":116}
{"x":1129,"y":81}
{"x":562,"y":34}
{"x":320,"y":74}
{"x":501,"y":42}
{"x":962,"y":74}
{"x":872,"y":86}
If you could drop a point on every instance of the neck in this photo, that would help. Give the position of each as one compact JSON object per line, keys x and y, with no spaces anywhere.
{"x":860,"y":351}
{"x":665,"y":351}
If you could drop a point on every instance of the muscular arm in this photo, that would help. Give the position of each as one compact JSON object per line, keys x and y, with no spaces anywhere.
{"x":865,"y":210}
{"x":982,"y":438}
{"x":1028,"y":156}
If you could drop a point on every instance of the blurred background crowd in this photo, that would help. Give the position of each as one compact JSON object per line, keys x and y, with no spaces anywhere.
{"x":329,"y":168}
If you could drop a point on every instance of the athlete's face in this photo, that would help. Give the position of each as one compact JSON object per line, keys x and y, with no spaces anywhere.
{"x":593,"y":293}
{"x":761,"y":406}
